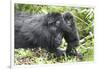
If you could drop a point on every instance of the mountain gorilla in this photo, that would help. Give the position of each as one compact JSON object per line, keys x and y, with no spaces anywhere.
{"x":71,"y":38}
{"x":46,"y":31}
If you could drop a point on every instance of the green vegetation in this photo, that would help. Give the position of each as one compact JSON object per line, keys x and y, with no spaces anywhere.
{"x":85,"y":22}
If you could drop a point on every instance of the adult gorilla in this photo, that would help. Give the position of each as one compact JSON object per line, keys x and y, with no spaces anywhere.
{"x":44,"y":30}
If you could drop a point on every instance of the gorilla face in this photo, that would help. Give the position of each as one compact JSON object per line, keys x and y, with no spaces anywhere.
{"x":54,"y":22}
{"x":68,"y":17}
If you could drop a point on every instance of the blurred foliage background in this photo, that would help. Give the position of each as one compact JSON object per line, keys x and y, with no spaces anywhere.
{"x":84,"y":17}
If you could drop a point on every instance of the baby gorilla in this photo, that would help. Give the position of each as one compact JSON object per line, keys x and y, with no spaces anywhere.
{"x":72,"y":37}
{"x":40,"y":30}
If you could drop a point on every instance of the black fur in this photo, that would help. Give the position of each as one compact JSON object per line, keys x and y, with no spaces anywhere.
{"x":72,"y":37}
{"x":45,"y":30}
